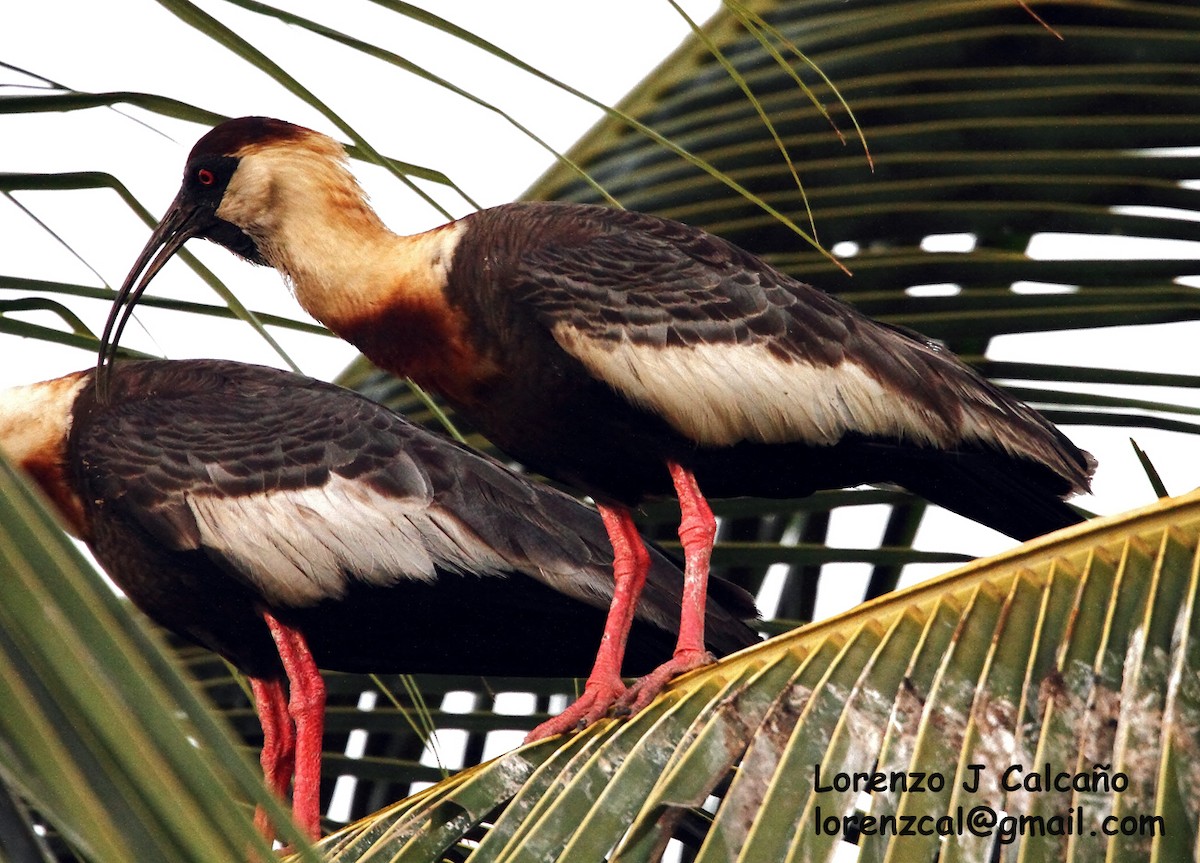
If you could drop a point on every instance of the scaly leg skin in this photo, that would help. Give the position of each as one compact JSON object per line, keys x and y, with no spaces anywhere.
{"x":697,"y":529}
{"x":279,"y":744}
{"x":604,"y":686}
{"x":307,"y":710}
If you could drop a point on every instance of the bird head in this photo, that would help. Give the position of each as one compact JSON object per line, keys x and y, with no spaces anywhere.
{"x":243,"y":182}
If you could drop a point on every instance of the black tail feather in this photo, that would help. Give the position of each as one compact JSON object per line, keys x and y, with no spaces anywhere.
{"x":1018,"y":498}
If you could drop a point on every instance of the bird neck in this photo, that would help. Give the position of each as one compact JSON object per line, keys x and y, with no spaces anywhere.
{"x":382,"y":292}
{"x":360,"y":269}
{"x":35,"y":422}
{"x":386,"y":295}
{"x":310,"y":219}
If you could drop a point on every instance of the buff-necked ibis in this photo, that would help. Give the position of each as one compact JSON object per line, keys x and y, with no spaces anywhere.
{"x":628,"y":355}
{"x":291,"y":525}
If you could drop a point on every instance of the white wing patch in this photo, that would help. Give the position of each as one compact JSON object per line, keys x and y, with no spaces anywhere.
{"x":719,"y":395}
{"x":302,"y":546}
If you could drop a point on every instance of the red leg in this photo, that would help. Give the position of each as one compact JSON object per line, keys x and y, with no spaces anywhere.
{"x":631,"y":562}
{"x":697,"y":529}
{"x":279,"y":743}
{"x":307,"y":710}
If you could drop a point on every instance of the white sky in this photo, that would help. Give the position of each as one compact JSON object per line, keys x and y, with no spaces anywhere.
{"x":139,"y":46}
{"x":603,"y":49}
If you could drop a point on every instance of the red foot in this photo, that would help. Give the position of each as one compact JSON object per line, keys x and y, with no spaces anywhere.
{"x":598,"y":697}
{"x":279,"y":745}
{"x":697,"y":527}
{"x":646,"y":688}
{"x":306,"y":707}
{"x":631,"y":562}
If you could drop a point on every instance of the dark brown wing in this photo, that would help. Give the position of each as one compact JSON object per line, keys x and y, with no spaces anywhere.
{"x":303,"y":489}
{"x":728,"y":349}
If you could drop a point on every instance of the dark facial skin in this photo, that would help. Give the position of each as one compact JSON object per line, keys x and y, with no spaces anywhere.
{"x":205,"y":179}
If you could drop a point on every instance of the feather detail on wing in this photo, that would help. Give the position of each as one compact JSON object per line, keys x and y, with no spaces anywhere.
{"x":300,"y":487}
{"x":725,"y":348}
{"x":302,"y":545}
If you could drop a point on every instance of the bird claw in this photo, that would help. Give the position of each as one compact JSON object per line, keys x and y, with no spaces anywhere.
{"x":601,"y":699}
{"x":644,"y":690}
{"x":590,"y":707}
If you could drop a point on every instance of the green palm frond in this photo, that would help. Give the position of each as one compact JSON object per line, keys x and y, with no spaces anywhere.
{"x":1077,"y":651}
{"x":980,"y":125}
{"x":983,"y":128}
{"x":1073,"y":657}
{"x":99,"y":731}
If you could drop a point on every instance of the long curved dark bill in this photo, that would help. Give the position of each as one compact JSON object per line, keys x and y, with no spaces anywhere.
{"x":177,"y":227}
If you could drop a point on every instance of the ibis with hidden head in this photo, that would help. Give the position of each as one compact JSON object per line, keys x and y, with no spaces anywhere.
{"x":628,"y":355}
{"x":291,"y":525}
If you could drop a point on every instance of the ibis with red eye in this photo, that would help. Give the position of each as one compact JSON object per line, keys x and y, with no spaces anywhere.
{"x":628,"y":355}
{"x":291,"y":525}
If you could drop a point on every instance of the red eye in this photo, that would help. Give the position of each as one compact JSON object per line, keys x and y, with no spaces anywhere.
{"x":205,"y":177}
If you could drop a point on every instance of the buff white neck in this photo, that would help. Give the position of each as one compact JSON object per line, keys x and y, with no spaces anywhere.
{"x":311,"y":220}
{"x":35,"y":421}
